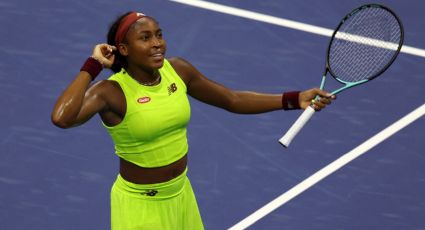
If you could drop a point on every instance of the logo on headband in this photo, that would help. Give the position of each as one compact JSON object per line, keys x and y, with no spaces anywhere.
{"x":125,"y":23}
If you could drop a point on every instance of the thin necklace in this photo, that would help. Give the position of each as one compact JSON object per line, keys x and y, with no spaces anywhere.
{"x":154,"y":82}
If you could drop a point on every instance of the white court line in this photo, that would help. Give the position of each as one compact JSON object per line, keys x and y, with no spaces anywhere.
{"x":330,"y":168}
{"x":278,"y":21}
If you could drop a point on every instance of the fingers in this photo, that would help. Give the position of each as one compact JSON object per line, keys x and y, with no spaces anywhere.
{"x":103,"y":50}
{"x":316,"y":98}
{"x":324,"y":94}
{"x":324,"y":99}
{"x":107,"y":49}
{"x":320,"y":103}
{"x":105,"y":54}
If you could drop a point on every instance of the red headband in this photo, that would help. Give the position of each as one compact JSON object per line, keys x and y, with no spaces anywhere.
{"x":125,"y":24}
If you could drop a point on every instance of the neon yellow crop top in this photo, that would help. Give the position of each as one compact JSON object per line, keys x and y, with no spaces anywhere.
{"x":153,"y":130}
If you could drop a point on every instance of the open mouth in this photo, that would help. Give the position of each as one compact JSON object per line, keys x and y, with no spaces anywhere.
{"x":158,"y":56}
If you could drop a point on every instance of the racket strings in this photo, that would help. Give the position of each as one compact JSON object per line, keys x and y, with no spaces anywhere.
{"x":364,"y":44}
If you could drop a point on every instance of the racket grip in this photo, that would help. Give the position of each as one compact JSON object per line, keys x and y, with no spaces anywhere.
{"x":297,"y":126}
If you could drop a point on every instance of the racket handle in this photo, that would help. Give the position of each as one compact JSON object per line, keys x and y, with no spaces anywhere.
{"x":297,"y":126}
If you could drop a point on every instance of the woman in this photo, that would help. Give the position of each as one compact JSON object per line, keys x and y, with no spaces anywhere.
{"x":144,"y":107}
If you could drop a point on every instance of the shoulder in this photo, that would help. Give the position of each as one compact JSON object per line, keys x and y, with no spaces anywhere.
{"x":178,"y":62}
{"x":105,"y":89}
{"x":105,"y":85}
{"x":183,"y":68}
{"x":110,"y":93}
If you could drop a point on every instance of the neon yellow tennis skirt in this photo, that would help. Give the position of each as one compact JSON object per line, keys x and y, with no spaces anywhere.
{"x":164,"y":206}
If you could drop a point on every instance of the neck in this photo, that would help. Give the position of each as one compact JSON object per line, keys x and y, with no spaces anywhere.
{"x":145,"y":77}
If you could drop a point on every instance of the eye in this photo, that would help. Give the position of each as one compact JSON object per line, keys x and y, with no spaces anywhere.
{"x":145,"y":37}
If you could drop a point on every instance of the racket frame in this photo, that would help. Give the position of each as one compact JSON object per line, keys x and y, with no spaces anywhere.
{"x":349,"y":15}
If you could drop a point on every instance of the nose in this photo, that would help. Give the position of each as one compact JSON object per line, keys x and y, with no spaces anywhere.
{"x":157,"y":42}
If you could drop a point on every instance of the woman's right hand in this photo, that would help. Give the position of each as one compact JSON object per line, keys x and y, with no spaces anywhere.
{"x":104,"y":53}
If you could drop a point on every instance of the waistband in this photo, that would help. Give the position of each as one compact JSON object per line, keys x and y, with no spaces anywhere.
{"x":157,"y":191}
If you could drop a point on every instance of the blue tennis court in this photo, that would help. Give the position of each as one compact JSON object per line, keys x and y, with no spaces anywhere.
{"x":60,"y":179}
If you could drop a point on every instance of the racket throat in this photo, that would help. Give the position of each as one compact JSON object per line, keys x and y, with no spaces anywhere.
{"x":348,"y":85}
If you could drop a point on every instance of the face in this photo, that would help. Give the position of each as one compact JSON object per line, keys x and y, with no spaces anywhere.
{"x":144,"y":46}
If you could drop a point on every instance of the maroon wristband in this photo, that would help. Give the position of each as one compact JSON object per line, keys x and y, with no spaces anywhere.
{"x":290,"y":100}
{"x":92,"y":66}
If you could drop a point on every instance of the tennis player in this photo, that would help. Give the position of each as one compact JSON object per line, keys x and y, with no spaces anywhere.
{"x":145,"y":108}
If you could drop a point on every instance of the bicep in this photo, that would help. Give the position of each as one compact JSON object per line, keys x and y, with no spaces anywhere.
{"x":93,"y":103}
{"x":202,"y":88}
{"x":211,"y":92}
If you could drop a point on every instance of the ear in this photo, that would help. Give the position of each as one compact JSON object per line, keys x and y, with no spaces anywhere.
{"x":122,"y":48}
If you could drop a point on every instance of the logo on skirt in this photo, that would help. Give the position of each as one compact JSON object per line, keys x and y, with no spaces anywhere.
{"x":150,"y":193}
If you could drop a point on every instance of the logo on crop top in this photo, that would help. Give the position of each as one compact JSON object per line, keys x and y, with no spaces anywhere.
{"x":144,"y":100}
{"x":172,"y":88}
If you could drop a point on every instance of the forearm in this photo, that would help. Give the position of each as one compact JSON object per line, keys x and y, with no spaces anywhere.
{"x":246,"y":102}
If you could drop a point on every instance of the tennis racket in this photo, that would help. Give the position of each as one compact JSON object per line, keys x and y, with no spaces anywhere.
{"x":364,"y":44}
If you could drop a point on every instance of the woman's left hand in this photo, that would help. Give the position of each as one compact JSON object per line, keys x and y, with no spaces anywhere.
{"x":307,"y":98}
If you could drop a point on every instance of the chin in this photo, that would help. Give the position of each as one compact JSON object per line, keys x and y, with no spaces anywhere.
{"x":158,"y":64}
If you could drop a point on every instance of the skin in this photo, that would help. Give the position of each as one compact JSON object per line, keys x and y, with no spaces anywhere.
{"x":144,"y":49}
